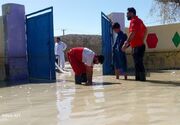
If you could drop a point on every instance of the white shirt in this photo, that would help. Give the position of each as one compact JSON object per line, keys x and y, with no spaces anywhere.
{"x":88,"y":57}
{"x":60,"y":48}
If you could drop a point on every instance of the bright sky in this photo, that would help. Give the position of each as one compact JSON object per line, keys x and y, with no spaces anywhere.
{"x":84,"y":16}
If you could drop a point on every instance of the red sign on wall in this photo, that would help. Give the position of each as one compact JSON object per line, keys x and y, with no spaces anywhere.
{"x":152,"y":40}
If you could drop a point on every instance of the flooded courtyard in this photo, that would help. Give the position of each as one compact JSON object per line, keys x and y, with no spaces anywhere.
{"x":107,"y":102}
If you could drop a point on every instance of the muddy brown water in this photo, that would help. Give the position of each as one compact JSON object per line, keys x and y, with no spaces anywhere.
{"x":107,"y":102}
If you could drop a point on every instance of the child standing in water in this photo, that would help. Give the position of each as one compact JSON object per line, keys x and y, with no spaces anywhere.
{"x":119,"y":57}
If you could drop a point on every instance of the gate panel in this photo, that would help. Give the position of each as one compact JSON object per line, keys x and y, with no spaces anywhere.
{"x":40,"y":46}
{"x":107,"y":41}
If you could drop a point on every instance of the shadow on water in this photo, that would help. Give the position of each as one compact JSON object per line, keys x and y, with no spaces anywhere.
{"x":159,"y":82}
{"x":10,"y":84}
{"x":94,"y":83}
{"x":164,"y":82}
{"x":18,"y":83}
{"x":110,"y":83}
{"x":105,"y":83}
{"x":102,"y":84}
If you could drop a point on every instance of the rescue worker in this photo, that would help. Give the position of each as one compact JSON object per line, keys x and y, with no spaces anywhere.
{"x":82,"y":60}
{"x":136,"y":39}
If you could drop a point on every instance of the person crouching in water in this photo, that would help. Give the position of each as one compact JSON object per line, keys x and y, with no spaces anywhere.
{"x":82,"y":60}
{"x":119,"y":57}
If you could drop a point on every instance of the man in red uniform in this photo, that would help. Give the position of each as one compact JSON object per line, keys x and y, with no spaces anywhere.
{"x":82,"y":61}
{"x":136,"y":38}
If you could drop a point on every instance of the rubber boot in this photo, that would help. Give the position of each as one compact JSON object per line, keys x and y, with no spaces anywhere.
{"x":84,"y":77}
{"x":78,"y":79}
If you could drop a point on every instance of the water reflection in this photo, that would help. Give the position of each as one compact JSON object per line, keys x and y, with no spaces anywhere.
{"x":99,"y":90}
{"x":64,"y":103}
{"x":65,"y":97}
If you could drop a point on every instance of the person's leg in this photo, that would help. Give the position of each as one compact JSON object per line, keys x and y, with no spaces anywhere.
{"x":125,"y":72}
{"x":124,"y":65}
{"x":116,"y":61}
{"x":139,"y":65}
{"x":62,"y":61}
{"x":56,"y":59}
{"x":135,"y":58}
{"x":125,"y":77}
{"x":56,"y":62}
{"x":75,"y":66}
{"x":117,"y":73}
{"x":83,"y":72}
{"x":78,"y":79}
{"x":84,"y":77}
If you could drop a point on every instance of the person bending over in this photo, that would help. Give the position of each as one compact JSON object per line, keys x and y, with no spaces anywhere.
{"x":82,"y":60}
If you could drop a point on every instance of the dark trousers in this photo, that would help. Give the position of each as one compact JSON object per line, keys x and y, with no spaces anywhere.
{"x":57,"y":61}
{"x":81,"y":78}
{"x":138,"y":55}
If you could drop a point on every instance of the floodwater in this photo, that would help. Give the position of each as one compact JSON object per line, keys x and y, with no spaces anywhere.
{"x":107,"y":102}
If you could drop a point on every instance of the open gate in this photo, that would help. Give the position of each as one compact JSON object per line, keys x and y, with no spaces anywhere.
{"x":107,"y":41}
{"x":40,"y":45}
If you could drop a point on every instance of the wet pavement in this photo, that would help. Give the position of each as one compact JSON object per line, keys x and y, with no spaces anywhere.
{"x":107,"y":102}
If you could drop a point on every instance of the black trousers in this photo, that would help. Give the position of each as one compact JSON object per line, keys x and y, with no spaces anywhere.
{"x":56,"y":60}
{"x":80,"y":79}
{"x":138,"y":55}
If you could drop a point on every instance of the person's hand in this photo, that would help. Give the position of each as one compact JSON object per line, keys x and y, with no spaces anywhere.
{"x":124,"y":48}
{"x":127,"y":44}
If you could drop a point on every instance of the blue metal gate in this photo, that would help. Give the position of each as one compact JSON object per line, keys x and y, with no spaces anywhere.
{"x":107,"y":41}
{"x":40,"y":45}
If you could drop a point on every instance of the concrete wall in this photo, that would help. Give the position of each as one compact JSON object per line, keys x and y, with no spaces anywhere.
{"x":165,"y":34}
{"x":91,"y":41}
{"x":2,"y":51}
{"x":164,"y":56}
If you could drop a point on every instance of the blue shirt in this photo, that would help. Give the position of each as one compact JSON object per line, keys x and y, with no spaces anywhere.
{"x":121,"y":38}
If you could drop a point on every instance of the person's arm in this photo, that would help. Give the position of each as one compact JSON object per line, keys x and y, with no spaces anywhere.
{"x":133,"y":28}
{"x":131,"y":36}
{"x":115,"y":43}
{"x":123,"y":40}
{"x":65,"y":46}
{"x":89,"y":73}
{"x":145,"y":33}
{"x":127,"y":43}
